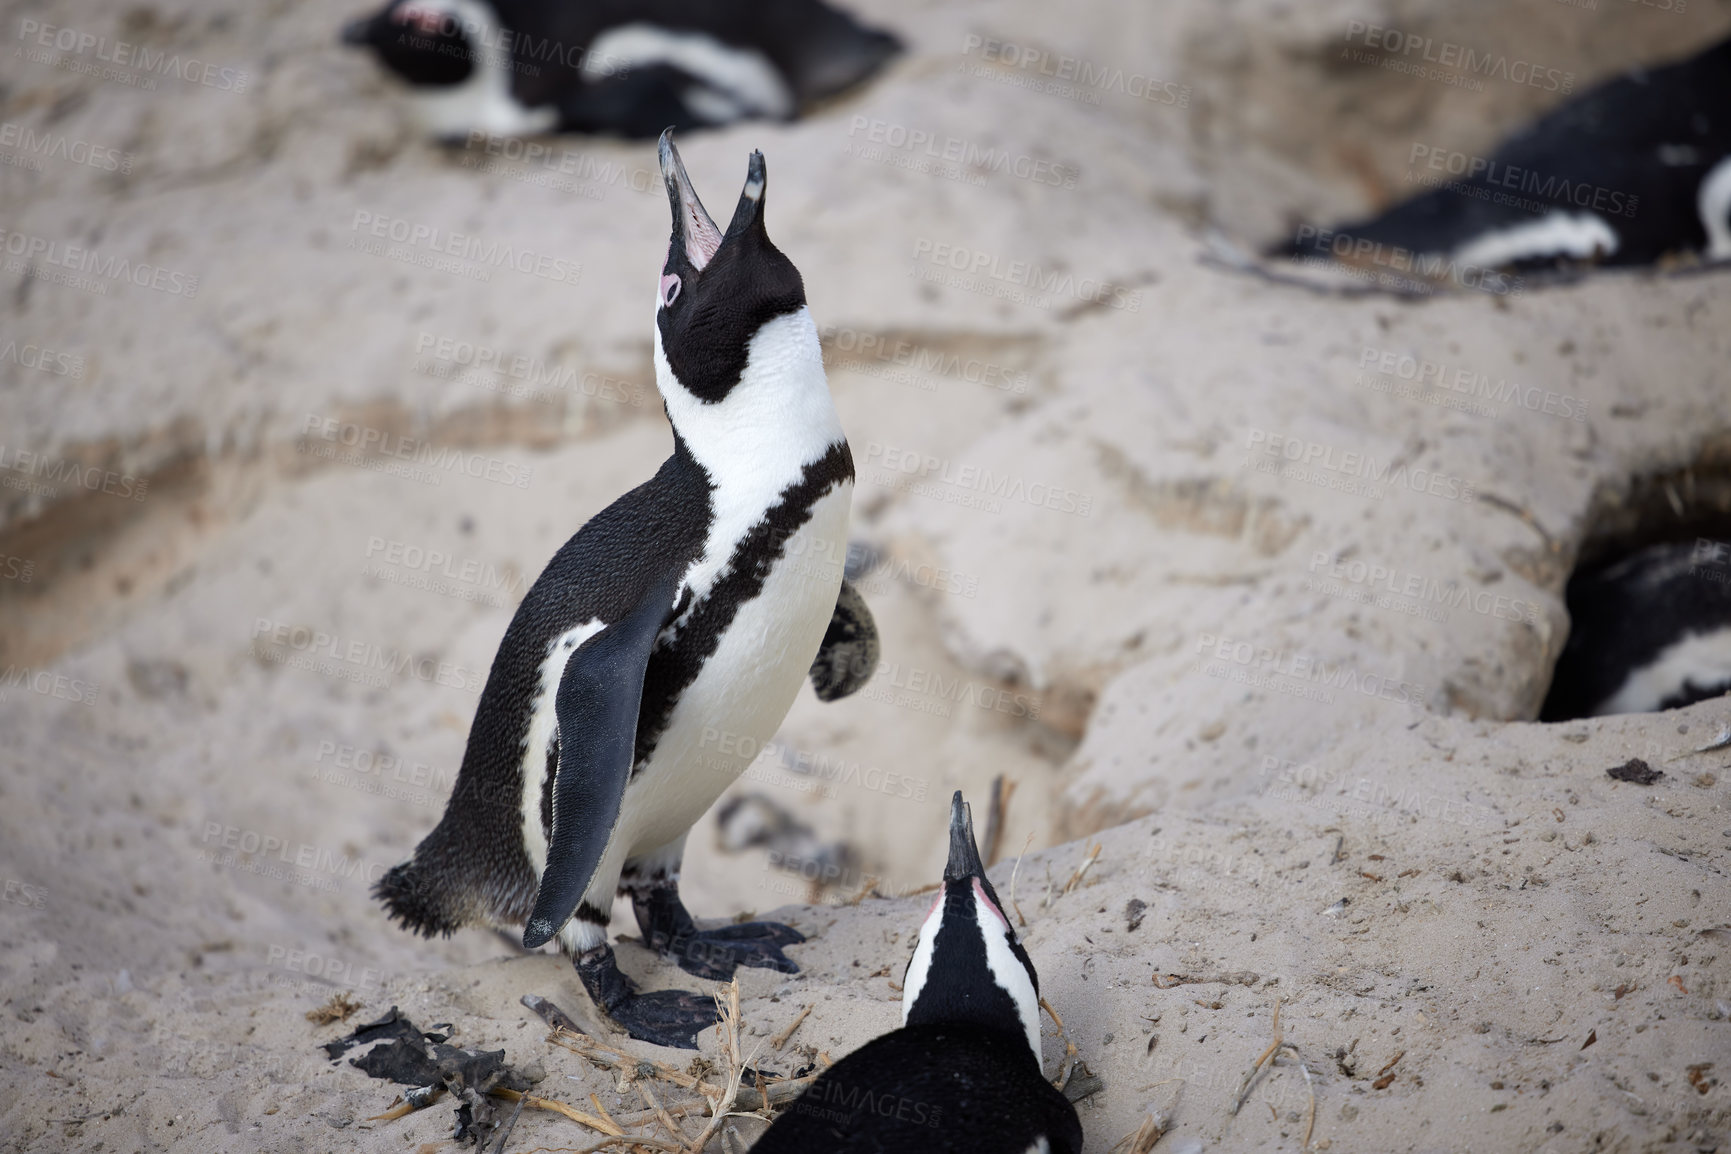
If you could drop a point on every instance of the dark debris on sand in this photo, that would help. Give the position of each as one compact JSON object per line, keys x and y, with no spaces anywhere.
{"x":403,"y":1053}
{"x":1635,"y":772}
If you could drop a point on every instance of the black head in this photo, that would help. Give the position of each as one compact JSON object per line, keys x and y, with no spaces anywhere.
{"x":718,"y":289}
{"x":968,"y":966}
{"x":423,"y":41}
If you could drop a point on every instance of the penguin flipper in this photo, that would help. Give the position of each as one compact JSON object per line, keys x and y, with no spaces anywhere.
{"x":597,"y":704}
{"x":849,"y":652}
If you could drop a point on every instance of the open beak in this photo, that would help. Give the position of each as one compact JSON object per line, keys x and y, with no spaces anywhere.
{"x":964,"y":860}
{"x":693,"y":230}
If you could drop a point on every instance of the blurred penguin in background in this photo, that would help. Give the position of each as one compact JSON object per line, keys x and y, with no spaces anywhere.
{"x":626,"y":68}
{"x":1632,"y":172}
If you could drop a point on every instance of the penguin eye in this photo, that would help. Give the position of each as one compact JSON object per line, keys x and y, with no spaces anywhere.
{"x":669,"y":289}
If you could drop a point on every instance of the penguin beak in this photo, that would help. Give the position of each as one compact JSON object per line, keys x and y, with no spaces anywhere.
{"x":964,"y":860}
{"x":694,"y":232}
{"x":749,"y":213}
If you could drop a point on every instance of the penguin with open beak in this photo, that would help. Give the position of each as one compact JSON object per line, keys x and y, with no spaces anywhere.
{"x":664,"y":642}
{"x":963,"y":1072}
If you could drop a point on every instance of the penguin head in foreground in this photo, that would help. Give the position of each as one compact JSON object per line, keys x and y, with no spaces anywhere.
{"x":968,"y":967}
{"x":425,"y":42}
{"x":730,"y":311}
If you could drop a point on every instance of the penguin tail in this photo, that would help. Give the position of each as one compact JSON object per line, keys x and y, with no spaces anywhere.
{"x":454,"y":881}
{"x":410,"y":897}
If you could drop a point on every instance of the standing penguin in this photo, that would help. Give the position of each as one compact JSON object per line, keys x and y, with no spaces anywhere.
{"x":1634,"y":170}
{"x":694,"y":604}
{"x":616,"y":67}
{"x":962,"y":1075}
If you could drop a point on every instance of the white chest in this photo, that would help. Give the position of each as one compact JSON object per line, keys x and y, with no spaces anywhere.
{"x":746,"y":687}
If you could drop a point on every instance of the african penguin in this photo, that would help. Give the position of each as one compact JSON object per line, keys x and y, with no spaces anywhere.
{"x":963,"y":1072}
{"x":1651,"y":631}
{"x":616,"y":67}
{"x":1631,"y":171}
{"x":692,"y":606}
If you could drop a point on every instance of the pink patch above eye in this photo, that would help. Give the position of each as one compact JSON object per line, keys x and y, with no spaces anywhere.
{"x":669,"y":289}
{"x":980,"y":893}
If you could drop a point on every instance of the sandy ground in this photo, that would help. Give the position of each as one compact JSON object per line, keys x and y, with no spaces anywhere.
{"x":238,"y":648}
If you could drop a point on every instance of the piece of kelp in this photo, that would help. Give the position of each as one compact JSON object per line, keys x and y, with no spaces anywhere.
{"x":402,"y":1053}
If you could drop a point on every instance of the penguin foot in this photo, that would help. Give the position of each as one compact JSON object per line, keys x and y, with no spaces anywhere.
{"x":716,"y":953}
{"x":669,"y":931}
{"x":670,"y":1018}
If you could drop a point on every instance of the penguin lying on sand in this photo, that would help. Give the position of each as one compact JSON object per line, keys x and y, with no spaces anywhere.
{"x":1634,"y":170}
{"x":617,"y":67}
{"x":692,"y":606}
{"x":962,"y":1075}
{"x":1650,"y":632}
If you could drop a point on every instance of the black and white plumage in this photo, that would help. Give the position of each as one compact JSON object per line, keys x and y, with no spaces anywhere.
{"x":693,"y":605}
{"x":1649,"y":632}
{"x":962,"y":1075}
{"x":617,"y":67}
{"x":1632,"y":171}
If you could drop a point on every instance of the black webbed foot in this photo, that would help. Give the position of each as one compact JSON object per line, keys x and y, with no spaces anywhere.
{"x":715,"y":954}
{"x":664,"y":1017}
